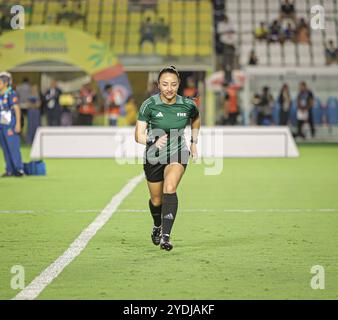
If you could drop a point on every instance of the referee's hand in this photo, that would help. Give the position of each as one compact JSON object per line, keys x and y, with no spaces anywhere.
{"x":193,"y":152}
{"x":161,"y":142}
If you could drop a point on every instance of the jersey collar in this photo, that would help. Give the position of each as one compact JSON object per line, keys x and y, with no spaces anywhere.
{"x":158,"y":101}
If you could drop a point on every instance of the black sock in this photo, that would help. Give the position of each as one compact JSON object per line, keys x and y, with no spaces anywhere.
{"x":169,"y":210}
{"x":156,"y":213}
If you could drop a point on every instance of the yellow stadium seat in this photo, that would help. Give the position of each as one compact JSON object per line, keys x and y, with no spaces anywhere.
{"x":190,"y":28}
{"x":163,"y":5}
{"x":190,"y":7}
{"x":133,"y":39}
{"x":190,"y":50}
{"x":118,"y":49}
{"x":92,"y":27}
{"x":53,"y":8}
{"x":205,"y":28}
{"x":106,"y":37}
{"x":177,"y":5}
{"x":205,"y":5}
{"x":135,"y":18}
{"x":190,"y":18}
{"x":93,"y":6}
{"x":176,"y":49}
{"x":78,"y":25}
{"x":204,"y":50}
{"x":119,"y":37}
{"x":204,"y":37}
{"x":162,"y":48}
{"x":147,"y":48}
{"x":177,"y":18}
{"x":38,"y":11}
{"x":204,"y":17}
{"x":133,"y":49}
{"x":121,"y":18}
{"x":190,"y":40}
{"x":108,"y":6}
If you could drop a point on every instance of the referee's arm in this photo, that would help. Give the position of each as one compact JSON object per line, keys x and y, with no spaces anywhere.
{"x":141,"y":132}
{"x":195,"y":127}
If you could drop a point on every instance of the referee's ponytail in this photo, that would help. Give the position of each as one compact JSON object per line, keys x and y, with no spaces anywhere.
{"x":171,"y":69}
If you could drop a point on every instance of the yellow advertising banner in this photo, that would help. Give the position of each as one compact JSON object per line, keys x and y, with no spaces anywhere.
{"x":55,"y":43}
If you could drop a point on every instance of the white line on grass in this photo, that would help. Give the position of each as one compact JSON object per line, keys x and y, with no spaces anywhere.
{"x":50,"y":273}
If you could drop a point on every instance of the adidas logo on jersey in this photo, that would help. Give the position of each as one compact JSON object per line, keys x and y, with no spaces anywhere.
{"x":169,"y":216}
{"x":159,"y":115}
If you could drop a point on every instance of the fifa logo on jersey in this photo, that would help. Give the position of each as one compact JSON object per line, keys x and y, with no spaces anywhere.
{"x":18,"y":20}
{"x":181,"y":114}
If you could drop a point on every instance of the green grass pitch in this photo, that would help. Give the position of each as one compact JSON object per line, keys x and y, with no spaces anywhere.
{"x":253,"y":232}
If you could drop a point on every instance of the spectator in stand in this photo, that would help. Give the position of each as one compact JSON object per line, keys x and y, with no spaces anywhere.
{"x":253,"y":60}
{"x":71,"y":16}
{"x":230,"y":105}
{"x":287,"y":10}
{"x":284,"y":101}
{"x":86,"y":108}
{"x":131,"y":111}
{"x":289,"y":32}
{"x":111,"y":105}
{"x":5,"y":18}
{"x":274,"y":34}
{"x":162,"y":30}
{"x":33,"y":114}
{"x":265,"y":106}
{"x":261,"y":32}
{"x":303,"y":31}
{"x":305,"y":102}
{"x":24,"y":91}
{"x":255,"y":101}
{"x":191,"y":91}
{"x":227,"y":36}
{"x":147,"y":32}
{"x":53,"y":107}
{"x":331,"y":53}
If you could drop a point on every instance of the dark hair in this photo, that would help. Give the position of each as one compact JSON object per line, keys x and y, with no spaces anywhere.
{"x":108,"y":87}
{"x":170,"y":69}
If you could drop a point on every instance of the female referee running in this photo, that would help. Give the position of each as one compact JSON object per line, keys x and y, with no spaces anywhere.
{"x":160,"y":126}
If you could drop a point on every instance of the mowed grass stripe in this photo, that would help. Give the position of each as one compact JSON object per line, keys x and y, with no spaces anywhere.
{"x":255,"y":255}
{"x":35,"y":240}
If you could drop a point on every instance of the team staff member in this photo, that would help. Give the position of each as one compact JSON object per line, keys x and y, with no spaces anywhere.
{"x":160,"y":126}
{"x":10,"y":127}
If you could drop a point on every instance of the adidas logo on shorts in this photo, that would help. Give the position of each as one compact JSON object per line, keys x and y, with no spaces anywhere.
{"x":159,"y":115}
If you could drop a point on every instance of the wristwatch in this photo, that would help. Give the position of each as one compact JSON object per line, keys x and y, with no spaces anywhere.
{"x":193,"y":141}
{"x":150,"y":141}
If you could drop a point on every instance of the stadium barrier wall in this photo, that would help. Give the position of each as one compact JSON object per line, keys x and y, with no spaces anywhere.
{"x":119,"y":143}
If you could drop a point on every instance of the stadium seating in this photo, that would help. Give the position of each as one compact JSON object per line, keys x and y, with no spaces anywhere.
{"x":246,"y":16}
{"x":118,"y":23}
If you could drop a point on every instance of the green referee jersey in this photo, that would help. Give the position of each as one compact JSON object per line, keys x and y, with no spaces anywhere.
{"x":168,"y":119}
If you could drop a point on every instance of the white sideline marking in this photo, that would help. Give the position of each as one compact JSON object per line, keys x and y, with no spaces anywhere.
{"x":50,"y":273}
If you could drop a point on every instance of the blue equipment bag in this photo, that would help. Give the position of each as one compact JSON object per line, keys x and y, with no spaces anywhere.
{"x":35,"y":168}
